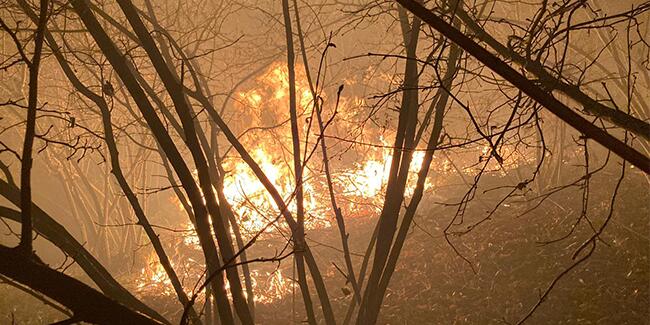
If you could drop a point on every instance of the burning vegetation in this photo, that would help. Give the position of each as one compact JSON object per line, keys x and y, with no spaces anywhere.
{"x":427,"y":162}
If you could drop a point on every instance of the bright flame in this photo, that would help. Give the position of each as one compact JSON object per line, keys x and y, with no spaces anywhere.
{"x":153,"y":277}
{"x":359,"y":185}
{"x":275,"y":286}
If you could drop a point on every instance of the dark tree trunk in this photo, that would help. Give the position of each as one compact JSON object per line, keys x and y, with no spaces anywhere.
{"x":86,"y":303}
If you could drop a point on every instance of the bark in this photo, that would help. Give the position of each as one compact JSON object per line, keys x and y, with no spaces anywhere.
{"x":340,"y":221}
{"x":529,"y":88}
{"x":277,"y":198}
{"x":226,"y":210}
{"x":143,"y":221}
{"x":119,"y":63}
{"x":212,"y":152}
{"x":116,"y":169}
{"x":362,"y":274}
{"x":225,"y":206}
{"x":175,"y":90}
{"x":30,"y":132}
{"x":268,"y":185}
{"x":299,"y":234}
{"x":402,"y":154}
{"x":86,"y":303}
{"x":550,"y":82}
{"x":261,"y":176}
{"x":432,"y":144}
{"x":46,"y":301}
{"x":54,"y":232}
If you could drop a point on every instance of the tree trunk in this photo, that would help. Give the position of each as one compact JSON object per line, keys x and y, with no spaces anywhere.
{"x":529,"y":88}
{"x":86,"y":303}
{"x":119,"y":63}
{"x":30,"y":131}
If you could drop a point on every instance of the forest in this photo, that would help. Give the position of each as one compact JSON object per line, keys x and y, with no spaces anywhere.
{"x":324,"y":162}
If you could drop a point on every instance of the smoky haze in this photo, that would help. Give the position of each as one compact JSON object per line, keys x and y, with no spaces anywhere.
{"x":324,"y":162}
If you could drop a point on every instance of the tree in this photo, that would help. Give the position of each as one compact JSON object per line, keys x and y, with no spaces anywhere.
{"x":157,"y":102}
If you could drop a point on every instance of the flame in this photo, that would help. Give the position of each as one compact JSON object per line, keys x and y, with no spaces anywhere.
{"x":274,"y":287}
{"x":359,"y":185}
{"x":153,"y":278}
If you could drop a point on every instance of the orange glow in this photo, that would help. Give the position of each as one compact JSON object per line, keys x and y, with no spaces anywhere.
{"x":359,"y":185}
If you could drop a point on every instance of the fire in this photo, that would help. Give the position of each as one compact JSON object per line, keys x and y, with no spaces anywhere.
{"x":153,"y":278}
{"x":275,"y":286}
{"x":268,"y":287}
{"x":247,"y":195}
{"x":368,"y":181}
{"x":254,"y":99}
{"x":359,"y":185}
